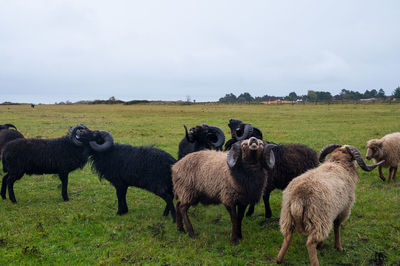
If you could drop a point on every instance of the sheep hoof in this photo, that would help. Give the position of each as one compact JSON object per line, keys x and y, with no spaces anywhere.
{"x":339,"y":249}
{"x":121,"y":212}
{"x":235,"y":241}
{"x":383,"y":178}
{"x":248,"y":214}
{"x":278,"y":261}
{"x":3,"y":197}
{"x":67,"y":199}
{"x":268,"y":215}
{"x":180,"y":229}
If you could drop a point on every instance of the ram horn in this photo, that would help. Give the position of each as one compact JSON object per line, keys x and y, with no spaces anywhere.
{"x":220,"y":136}
{"x":108,"y":142}
{"x":9,"y":125}
{"x":72,"y":134}
{"x":268,"y":155}
{"x":357,"y":156}
{"x":248,"y":130}
{"x":326,"y":150}
{"x":257,"y":133}
{"x":233,"y":155}
{"x":188,"y":137}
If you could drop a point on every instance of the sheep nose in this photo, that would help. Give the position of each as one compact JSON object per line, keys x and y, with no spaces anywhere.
{"x":253,"y":140}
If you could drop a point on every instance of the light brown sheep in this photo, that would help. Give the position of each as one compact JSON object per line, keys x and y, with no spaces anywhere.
{"x":235,"y":179}
{"x":388,"y":149}
{"x":320,"y":198}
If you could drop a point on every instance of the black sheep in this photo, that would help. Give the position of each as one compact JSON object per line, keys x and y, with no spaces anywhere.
{"x":241,"y":131}
{"x":124,"y":165}
{"x":7,"y":135}
{"x":200,"y":138}
{"x":43,"y":156}
{"x":291,"y":160}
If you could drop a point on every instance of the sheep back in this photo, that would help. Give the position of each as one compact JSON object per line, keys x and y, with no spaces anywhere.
{"x":143,"y":167}
{"x":291,"y":160}
{"x":313,"y":200}
{"x":205,"y":177}
{"x":44,"y":156}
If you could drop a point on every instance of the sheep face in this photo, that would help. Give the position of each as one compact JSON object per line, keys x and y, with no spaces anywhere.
{"x":199,"y":133}
{"x":237,"y":127}
{"x":85,"y":135}
{"x":374,"y":150}
{"x":250,"y":152}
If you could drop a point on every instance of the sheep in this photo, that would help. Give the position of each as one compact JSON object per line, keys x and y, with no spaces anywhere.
{"x":43,"y":156}
{"x":241,"y":131}
{"x":320,"y":198}
{"x":201,"y":137}
{"x":291,"y":160}
{"x":235,"y":179}
{"x":148,"y":168}
{"x":7,"y":135}
{"x":388,"y":149}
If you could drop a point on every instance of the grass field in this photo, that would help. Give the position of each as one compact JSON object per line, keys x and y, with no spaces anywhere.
{"x":42,"y":229}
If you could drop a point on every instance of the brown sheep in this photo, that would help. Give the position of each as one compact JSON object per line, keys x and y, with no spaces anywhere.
{"x":388,"y":149}
{"x":235,"y":179}
{"x":320,"y":198}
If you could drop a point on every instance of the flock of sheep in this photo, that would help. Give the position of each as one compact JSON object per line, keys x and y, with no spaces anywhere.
{"x":318,"y":193}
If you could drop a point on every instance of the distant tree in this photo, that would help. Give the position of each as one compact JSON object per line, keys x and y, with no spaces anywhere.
{"x":311,"y":96}
{"x":245,"y":97}
{"x":396,"y":93}
{"x":323,"y":96}
{"x":228,"y":98}
{"x":292,"y":96}
{"x":112,"y":99}
{"x":381,"y":93}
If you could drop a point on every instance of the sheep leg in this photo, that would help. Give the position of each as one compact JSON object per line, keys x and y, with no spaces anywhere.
{"x":234,"y":221}
{"x":312,"y":250}
{"x":4,"y":186}
{"x":268,"y":212}
{"x":394,"y":173}
{"x":10,"y":184}
{"x":183,"y":208}
{"x":284,"y":248}
{"x":121,"y":195}
{"x":380,"y":173}
{"x":250,"y":211}
{"x":336,"y":227}
{"x":179,"y":224}
{"x":64,"y":189}
{"x":170,"y":207}
{"x":241,"y":209}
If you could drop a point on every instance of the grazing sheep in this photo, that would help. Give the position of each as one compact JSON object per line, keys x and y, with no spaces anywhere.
{"x":320,"y":198}
{"x":124,"y":165}
{"x":201,"y":137}
{"x":7,"y":135}
{"x":43,"y":156}
{"x":388,"y":149}
{"x":291,"y":160}
{"x":241,"y":131}
{"x":235,"y":179}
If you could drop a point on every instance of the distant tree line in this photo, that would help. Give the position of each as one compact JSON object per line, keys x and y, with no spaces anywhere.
{"x":312,"y":96}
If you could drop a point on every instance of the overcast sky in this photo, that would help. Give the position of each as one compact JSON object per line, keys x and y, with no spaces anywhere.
{"x":54,"y":50}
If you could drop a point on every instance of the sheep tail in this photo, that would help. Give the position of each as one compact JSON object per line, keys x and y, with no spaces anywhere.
{"x":297,"y":211}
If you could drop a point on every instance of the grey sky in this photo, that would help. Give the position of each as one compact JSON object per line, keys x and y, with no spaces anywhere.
{"x":73,"y":50}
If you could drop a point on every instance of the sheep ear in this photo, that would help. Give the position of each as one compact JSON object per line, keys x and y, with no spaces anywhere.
{"x":233,"y":155}
{"x":268,"y":155}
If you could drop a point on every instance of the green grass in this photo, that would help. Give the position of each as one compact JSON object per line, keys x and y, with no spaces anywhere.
{"x":42,"y":229}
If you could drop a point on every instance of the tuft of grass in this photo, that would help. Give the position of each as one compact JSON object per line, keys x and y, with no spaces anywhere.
{"x":42,"y":229}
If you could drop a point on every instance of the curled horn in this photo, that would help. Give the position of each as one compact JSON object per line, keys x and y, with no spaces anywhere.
{"x":72,"y":134}
{"x":234,"y":154}
{"x":220,"y":136}
{"x":357,"y":156}
{"x":326,"y":150}
{"x":189,"y":138}
{"x":248,"y":130}
{"x":257,"y":133}
{"x":108,"y":142}
{"x":268,"y":155}
{"x":9,"y":125}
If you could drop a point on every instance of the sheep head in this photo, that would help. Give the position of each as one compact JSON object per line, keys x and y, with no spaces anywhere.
{"x":374,"y":149}
{"x":205,"y":134}
{"x":73,"y":134}
{"x":251,"y":151}
{"x":345,"y":153}
{"x":241,"y":131}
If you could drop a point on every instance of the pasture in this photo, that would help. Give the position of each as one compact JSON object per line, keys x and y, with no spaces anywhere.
{"x":42,"y":229}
